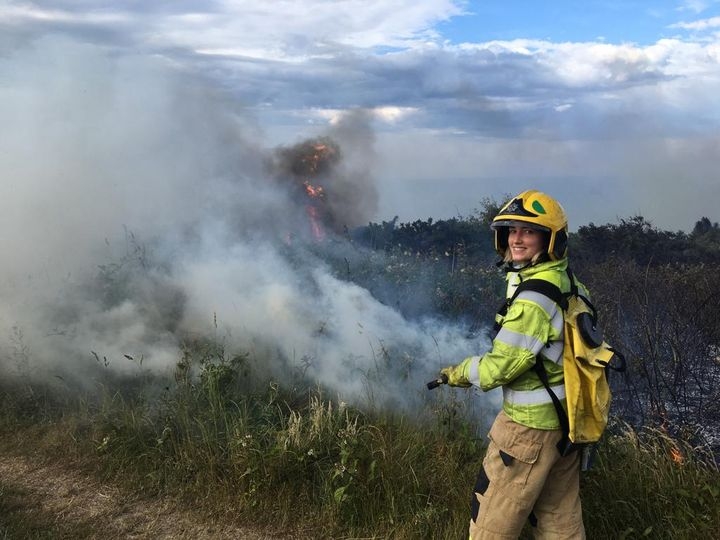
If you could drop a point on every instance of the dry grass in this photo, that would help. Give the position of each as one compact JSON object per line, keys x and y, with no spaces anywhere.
{"x":45,"y":498}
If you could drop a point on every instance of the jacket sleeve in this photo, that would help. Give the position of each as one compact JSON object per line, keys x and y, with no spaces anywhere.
{"x":525,"y":330}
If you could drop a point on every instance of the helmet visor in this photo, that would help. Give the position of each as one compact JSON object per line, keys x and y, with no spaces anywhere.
{"x":518,"y":224}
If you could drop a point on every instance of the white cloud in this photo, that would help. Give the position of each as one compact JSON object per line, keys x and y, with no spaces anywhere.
{"x":393,"y":114}
{"x":386,"y":114}
{"x":280,"y":29}
{"x":701,"y":25}
{"x":18,"y":12}
{"x":696,"y":6}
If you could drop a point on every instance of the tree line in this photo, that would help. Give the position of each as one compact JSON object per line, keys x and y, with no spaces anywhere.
{"x":635,"y":239}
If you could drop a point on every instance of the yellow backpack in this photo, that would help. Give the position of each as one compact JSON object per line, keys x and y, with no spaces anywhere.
{"x":586,"y":360}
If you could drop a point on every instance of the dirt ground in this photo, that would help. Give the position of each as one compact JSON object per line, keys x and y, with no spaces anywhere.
{"x":59,"y":502}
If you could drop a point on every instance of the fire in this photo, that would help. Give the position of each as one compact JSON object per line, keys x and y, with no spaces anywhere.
{"x":313,"y":191}
{"x":320,"y":153}
{"x":309,"y":168}
{"x":677,"y":455}
{"x":315,"y":227}
{"x":674,"y":450}
{"x":313,"y":211}
{"x":314,"y":158}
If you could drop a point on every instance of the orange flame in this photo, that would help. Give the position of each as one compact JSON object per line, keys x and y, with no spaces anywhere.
{"x":677,"y":455}
{"x":317,"y":230}
{"x":322,"y":151}
{"x":309,"y":164}
{"x":313,"y":191}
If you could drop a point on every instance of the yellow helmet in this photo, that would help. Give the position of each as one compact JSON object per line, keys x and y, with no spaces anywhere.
{"x":538,"y":210}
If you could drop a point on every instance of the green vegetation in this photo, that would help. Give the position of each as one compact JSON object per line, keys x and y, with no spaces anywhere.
{"x":295,"y":461}
{"x":651,"y":486}
{"x":316,"y":468}
{"x":216,"y":437}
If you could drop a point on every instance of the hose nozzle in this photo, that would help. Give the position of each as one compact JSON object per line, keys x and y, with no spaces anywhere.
{"x":437,"y":382}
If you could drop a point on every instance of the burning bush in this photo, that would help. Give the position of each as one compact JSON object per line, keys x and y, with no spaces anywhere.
{"x":332,"y":196}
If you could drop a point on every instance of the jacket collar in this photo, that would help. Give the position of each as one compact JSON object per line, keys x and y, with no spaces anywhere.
{"x":532,"y":269}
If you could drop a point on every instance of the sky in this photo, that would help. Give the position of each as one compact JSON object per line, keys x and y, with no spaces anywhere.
{"x":610,"y":106}
{"x":153,"y":164}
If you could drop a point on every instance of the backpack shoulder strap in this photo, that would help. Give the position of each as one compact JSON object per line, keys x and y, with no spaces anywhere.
{"x":564,"y":446}
{"x":543,"y":287}
{"x":537,"y":285}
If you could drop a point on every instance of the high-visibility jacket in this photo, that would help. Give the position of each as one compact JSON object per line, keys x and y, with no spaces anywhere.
{"x":532,"y":327}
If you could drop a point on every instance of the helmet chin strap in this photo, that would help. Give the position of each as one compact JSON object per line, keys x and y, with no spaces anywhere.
{"x":514,"y":267}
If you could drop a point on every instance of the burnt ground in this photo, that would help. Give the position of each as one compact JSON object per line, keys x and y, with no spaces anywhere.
{"x":52,"y":500}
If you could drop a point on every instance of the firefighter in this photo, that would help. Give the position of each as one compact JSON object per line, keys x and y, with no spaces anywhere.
{"x":523,"y":475}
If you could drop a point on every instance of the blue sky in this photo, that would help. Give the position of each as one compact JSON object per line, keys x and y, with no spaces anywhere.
{"x":612,"y":21}
{"x":608,"y":105}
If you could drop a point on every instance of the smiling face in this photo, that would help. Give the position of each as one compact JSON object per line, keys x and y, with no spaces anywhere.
{"x":524,"y":243}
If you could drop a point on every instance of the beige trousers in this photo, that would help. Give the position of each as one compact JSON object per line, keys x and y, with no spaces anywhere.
{"x":523,"y":474}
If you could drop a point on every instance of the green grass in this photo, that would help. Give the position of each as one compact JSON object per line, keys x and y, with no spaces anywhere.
{"x":639,"y":490}
{"x":258,"y":454}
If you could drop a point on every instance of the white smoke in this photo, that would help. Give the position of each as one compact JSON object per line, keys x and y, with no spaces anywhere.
{"x":136,"y":211}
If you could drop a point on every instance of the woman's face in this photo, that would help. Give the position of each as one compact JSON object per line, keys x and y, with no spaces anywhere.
{"x":524,"y":243}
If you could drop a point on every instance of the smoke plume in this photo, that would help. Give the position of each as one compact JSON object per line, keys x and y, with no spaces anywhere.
{"x":139,"y":210}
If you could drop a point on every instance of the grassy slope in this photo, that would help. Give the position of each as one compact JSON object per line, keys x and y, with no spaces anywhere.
{"x":323,"y":470}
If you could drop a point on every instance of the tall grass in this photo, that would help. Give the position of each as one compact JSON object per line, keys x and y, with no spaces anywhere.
{"x":651,"y":485}
{"x":252,"y":452}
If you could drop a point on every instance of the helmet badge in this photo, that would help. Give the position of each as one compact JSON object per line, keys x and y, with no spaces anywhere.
{"x":538,"y":207}
{"x":516,"y":208}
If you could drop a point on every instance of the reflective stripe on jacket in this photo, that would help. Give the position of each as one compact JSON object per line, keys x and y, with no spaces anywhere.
{"x":533,"y":325}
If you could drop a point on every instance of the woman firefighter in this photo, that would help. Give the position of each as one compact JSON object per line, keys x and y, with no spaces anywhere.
{"x":524,"y":476}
